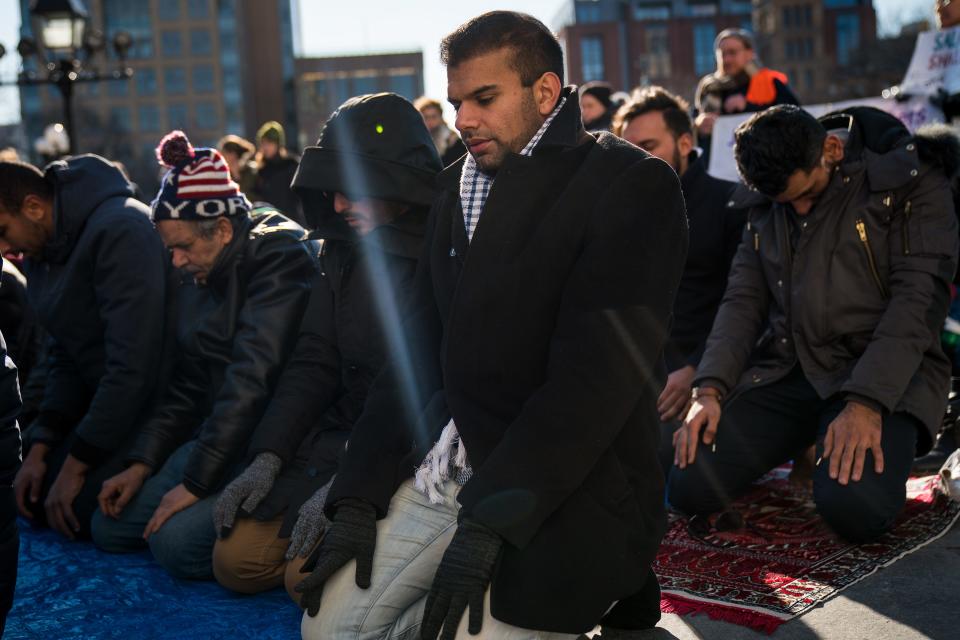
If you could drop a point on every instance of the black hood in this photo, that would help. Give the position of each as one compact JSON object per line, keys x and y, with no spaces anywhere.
{"x":374,"y":146}
{"x":81,"y":184}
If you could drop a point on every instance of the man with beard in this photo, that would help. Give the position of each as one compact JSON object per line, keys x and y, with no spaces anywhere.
{"x":658,"y":122}
{"x":507,"y":462}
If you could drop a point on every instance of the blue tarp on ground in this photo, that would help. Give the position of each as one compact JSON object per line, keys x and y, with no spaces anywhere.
{"x":68,"y":590}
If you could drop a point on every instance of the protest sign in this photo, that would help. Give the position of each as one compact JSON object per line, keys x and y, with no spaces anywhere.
{"x":914,"y":113}
{"x":935,"y":64}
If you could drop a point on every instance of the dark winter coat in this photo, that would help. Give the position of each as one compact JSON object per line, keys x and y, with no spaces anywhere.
{"x":348,"y":332}
{"x":272,"y":185}
{"x":9,"y":432}
{"x":715,"y":230}
{"x":860,"y":301}
{"x":543,"y":340}
{"x":99,"y":292}
{"x":18,"y":322}
{"x":233,"y":337}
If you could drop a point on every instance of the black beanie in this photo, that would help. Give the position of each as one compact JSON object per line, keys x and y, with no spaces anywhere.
{"x":599,"y":90}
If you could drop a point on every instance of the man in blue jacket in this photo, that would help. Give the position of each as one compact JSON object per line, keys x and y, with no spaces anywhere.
{"x":97,"y":274}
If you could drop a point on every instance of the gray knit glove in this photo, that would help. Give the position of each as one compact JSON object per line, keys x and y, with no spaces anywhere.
{"x":246,"y":491}
{"x":311,"y":523}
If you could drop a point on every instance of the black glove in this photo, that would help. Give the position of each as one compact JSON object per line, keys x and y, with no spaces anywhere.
{"x":462,"y":578}
{"x":352,"y":534}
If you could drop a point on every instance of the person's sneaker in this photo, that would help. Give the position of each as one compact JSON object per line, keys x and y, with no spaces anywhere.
{"x":945,"y":445}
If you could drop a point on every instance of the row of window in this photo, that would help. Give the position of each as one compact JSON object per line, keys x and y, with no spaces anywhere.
{"x":202,"y":80}
{"x":133,"y":16}
{"x":338,"y":90}
{"x":798,"y":48}
{"x":168,"y":10}
{"x":800,"y":15}
{"x":149,"y":117}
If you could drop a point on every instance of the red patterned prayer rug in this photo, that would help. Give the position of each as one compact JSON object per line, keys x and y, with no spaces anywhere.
{"x":785,"y":560}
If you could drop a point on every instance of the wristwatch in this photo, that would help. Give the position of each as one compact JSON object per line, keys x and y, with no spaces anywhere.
{"x":702,"y":392}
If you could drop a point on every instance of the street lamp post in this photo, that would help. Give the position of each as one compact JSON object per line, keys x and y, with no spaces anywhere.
{"x":65,"y":51}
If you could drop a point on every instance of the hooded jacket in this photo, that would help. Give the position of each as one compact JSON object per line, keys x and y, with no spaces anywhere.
{"x":543,"y":339}
{"x":233,"y":336}
{"x":351,"y":326}
{"x":99,"y":292}
{"x":860,"y":299}
{"x":9,"y":431}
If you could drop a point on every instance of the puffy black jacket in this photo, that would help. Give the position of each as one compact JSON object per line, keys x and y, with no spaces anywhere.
{"x":233,"y":337}
{"x":9,"y":431}
{"x":350,"y":328}
{"x":860,"y":299}
{"x":99,"y":292}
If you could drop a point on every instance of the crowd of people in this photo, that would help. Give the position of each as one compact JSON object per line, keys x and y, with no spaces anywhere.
{"x":415,"y":372}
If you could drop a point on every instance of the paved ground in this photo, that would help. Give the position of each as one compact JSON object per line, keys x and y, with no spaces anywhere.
{"x":917,"y":597}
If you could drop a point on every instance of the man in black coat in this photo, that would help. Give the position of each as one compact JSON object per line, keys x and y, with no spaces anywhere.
{"x":829,"y":332}
{"x":659,"y":122}
{"x":236,"y":320}
{"x":526,"y":401}
{"x":96,"y":272}
{"x":371,"y":241}
{"x":9,"y":463}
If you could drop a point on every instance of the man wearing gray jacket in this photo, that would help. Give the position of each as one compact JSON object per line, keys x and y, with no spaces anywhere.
{"x":828,"y":333}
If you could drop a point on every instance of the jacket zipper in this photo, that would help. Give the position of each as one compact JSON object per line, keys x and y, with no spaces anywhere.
{"x":906,"y":228}
{"x":862,"y":230}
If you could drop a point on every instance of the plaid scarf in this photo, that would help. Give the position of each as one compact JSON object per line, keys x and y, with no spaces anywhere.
{"x":475,"y":184}
{"x":448,"y":456}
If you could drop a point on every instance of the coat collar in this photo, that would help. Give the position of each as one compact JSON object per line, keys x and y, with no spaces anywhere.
{"x":565,"y":131}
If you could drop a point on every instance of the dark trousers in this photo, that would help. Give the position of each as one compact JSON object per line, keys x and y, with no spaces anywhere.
{"x":764,"y":428}
{"x":86,"y":501}
{"x":9,"y":549}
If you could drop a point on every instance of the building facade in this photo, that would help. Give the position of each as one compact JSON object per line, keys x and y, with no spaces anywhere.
{"x":208,"y":67}
{"x":323,"y":84}
{"x":670,"y":42}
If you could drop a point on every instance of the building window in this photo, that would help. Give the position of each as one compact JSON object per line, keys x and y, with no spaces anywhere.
{"x":205,"y":116}
{"x":808,"y":76}
{"x":704,"y":57}
{"x":833,"y":4}
{"x":169,"y":10}
{"x":657,"y":39}
{"x":120,"y":117}
{"x":201,"y":42}
{"x":738,"y":7}
{"x":651,"y":12}
{"x":146,"y":82}
{"x":591,"y":54}
{"x":703,"y":10}
{"x":848,"y":36}
{"x":588,"y":11}
{"x":202,"y":81}
{"x":198,"y":9}
{"x":170,"y":43}
{"x":132,"y":16}
{"x":149,"y":118}
{"x":177,"y":116}
{"x":174,"y":81}
{"x":118,"y":88}
{"x":404,"y":85}
{"x":364,"y":84}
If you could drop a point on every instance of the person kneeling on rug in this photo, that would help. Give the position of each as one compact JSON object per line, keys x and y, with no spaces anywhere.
{"x":237,"y":314}
{"x":829,"y":329}
{"x":376,"y":149}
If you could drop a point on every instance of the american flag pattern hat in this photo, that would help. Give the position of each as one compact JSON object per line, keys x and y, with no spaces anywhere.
{"x":198,"y":185}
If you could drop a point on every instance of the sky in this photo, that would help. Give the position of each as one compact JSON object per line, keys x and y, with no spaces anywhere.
{"x":338,"y":27}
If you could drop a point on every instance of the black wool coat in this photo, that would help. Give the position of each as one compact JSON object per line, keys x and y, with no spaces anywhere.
{"x":233,"y":336}
{"x":349,"y":328}
{"x":543,"y":340}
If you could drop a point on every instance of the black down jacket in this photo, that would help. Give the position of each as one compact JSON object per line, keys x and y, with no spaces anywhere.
{"x":233,"y":337}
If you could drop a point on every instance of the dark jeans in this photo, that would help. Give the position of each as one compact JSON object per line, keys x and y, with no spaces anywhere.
{"x":9,"y":548}
{"x":86,"y":501}
{"x":765,"y":427}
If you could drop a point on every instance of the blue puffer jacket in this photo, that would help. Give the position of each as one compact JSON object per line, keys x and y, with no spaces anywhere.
{"x":99,"y":291}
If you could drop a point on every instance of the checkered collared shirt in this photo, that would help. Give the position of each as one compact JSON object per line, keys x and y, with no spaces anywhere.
{"x":475,"y":184}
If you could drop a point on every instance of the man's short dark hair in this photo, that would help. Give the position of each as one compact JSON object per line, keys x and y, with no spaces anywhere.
{"x":19,"y":180}
{"x":675,"y":110}
{"x":775,"y":143}
{"x":536,"y":50}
